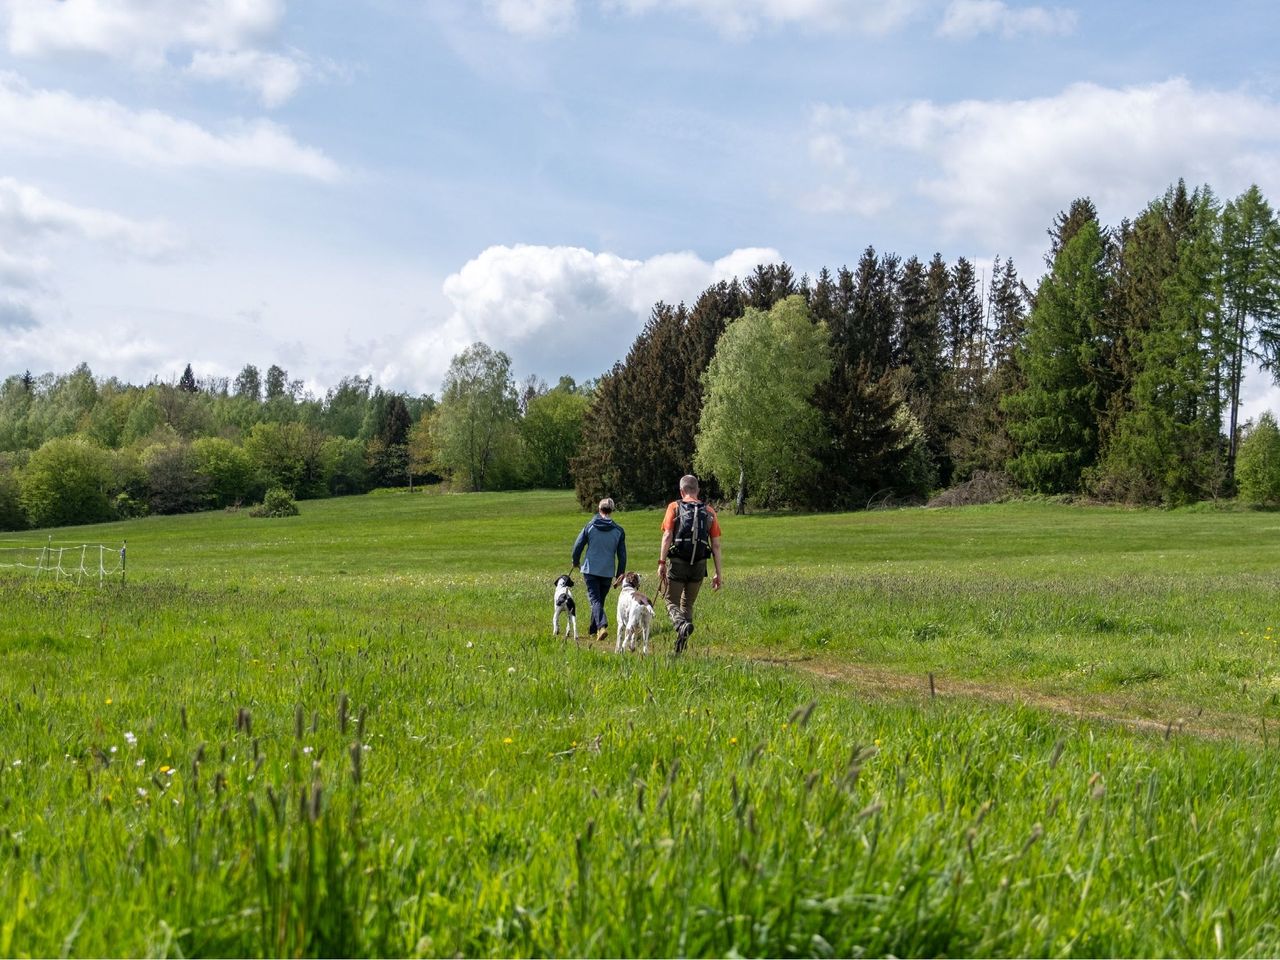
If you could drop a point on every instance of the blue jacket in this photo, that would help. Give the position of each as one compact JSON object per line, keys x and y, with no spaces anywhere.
{"x":603,"y":540}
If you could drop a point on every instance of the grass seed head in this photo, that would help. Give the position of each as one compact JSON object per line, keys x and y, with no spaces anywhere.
{"x":1057,"y":753}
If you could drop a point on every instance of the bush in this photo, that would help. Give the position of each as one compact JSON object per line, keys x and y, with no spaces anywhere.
{"x":173,"y":479}
{"x":1258,"y":463}
{"x":230,"y":473}
{"x":278,"y":502}
{"x":67,"y":481}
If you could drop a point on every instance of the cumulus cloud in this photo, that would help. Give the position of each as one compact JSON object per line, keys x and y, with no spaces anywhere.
{"x":561,"y":309}
{"x":29,"y":216}
{"x":743,"y":17}
{"x":57,"y":122}
{"x":965,"y":19}
{"x":997,"y":171}
{"x":223,"y":39}
{"x":532,"y":18}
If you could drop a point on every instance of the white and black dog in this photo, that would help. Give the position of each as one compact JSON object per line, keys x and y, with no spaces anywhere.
{"x":635,"y":614}
{"x":564,"y":604}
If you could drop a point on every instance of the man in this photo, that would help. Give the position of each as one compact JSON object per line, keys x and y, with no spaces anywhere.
{"x":690,"y":531}
{"x":604,"y":542}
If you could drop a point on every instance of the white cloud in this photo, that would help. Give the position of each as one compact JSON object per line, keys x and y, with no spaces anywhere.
{"x":843,"y":188}
{"x":743,"y":17}
{"x":57,"y":122}
{"x":965,"y":19}
{"x":21,"y":273}
{"x":36,"y":228}
{"x":141,"y":31}
{"x":532,"y":18}
{"x":560,"y":309}
{"x":120,"y":350}
{"x":273,"y":77}
{"x":223,"y":39}
{"x":997,"y":171}
{"x":29,"y":216}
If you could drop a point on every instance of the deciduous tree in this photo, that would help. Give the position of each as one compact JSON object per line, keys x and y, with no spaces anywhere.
{"x":477,"y":413}
{"x":758,"y":429}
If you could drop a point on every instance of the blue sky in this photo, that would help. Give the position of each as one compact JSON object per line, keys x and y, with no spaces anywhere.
{"x":365,"y":187}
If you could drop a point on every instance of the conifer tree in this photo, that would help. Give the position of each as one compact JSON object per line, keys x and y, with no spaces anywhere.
{"x":1251,"y":289}
{"x":1054,"y":418}
{"x":1163,"y":446}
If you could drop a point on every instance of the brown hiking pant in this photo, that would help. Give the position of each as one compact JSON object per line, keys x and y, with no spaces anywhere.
{"x":684,"y":580}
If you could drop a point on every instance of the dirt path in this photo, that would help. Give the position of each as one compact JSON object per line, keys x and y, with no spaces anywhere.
{"x":886,"y":683}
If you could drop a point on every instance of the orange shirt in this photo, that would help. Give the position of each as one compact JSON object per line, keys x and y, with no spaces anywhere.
{"x":669,"y":521}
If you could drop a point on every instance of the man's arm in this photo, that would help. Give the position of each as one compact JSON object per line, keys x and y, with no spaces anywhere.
{"x":662,"y":550}
{"x":622,"y":551}
{"x":579,"y":544}
{"x":715,"y":552}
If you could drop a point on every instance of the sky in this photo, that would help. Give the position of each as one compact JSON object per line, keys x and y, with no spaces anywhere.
{"x":366,"y":187}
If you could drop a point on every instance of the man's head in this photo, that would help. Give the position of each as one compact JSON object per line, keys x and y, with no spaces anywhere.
{"x":688,"y":485}
{"x":606,"y":507}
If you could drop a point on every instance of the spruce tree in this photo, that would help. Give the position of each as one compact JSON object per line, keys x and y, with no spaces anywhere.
{"x":1163,"y":443}
{"x":1054,"y":419}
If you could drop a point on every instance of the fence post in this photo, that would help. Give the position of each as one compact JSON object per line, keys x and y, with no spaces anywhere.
{"x":123,"y":560}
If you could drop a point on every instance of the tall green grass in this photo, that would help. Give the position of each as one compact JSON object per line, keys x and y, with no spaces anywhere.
{"x":349,"y":733}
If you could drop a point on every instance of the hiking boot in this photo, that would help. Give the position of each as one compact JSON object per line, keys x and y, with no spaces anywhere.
{"x":682,"y":635}
{"x":603,"y":635}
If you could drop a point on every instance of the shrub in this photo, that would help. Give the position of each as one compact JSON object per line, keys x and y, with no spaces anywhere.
{"x":1258,"y":463}
{"x":173,"y":479}
{"x":229,"y":471}
{"x":67,"y":480}
{"x":278,"y":502}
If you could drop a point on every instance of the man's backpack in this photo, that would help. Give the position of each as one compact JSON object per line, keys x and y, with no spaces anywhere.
{"x":691,"y":534}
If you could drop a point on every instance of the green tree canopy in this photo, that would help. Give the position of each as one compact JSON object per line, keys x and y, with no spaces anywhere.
{"x":758,"y":428}
{"x":552,"y":431}
{"x":68,"y":480}
{"x":477,"y":413}
{"x":1258,"y":465}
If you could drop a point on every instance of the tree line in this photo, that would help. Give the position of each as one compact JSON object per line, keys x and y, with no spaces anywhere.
{"x":1119,"y":377}
{"x":75,"y":449}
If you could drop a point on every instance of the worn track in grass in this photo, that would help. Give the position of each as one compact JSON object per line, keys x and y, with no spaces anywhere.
{"x":1113,"y":711}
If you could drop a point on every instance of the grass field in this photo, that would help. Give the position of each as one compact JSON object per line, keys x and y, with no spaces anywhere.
{"x":351,"y":732}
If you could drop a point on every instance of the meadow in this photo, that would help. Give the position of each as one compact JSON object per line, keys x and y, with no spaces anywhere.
{"x":1025,"y":729}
